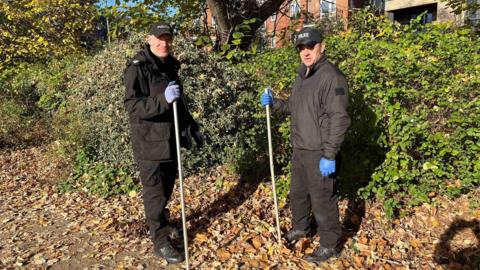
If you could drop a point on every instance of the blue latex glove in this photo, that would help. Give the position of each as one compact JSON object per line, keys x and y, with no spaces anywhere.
{"x":327,"y":166}
{"x":172,"y":92}
{"x":266,"y":98}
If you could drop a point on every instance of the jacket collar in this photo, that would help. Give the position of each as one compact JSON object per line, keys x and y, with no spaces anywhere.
{"x":302,"y":69}
{"x":158,"y":63}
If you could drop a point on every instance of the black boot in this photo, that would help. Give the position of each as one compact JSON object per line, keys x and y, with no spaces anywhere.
{"x":169,"y":253}
{"x":321,"y":254}
{"x":293,"y":235}
{"x":174,"y":232}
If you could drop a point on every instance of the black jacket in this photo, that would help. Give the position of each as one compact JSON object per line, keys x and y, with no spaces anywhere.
{"x":151,"y":117}
{"x":318,"y":108}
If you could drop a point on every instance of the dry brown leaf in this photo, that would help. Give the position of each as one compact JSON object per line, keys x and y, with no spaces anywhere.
{"x":286,"y":251}
{"x":257,"y":242}
{"x":435,"y":222}
{"x":415,"y":243}
{"x":249,"y":248}
{"x":397,"y":255}
{"x":309,"y":250}
{"x":358,"y":261}
{"x":363,"y":240}
{"x":200,"y":237}
{"x":106,"y":224}
{"x":223,"y":255}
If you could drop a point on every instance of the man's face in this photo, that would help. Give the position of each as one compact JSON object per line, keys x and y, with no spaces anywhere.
{"x":310,"y":53}
{"x":161,"y":45}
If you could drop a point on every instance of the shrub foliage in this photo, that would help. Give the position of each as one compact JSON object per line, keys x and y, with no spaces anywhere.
{"x":93,"y":120}
{"x":414,"y":106}
{"x":414,"y":95}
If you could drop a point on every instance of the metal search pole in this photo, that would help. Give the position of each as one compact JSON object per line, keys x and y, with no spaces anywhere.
{"x":180,"y":178}
{"x":272,"y":173}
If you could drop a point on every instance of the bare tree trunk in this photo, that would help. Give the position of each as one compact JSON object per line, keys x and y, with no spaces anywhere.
{"x":220,"y":14}
{"x":231,"y":13}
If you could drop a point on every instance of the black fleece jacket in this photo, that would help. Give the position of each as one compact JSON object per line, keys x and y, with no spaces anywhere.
{"x":151,"y":117}
{"x":318,"y":107}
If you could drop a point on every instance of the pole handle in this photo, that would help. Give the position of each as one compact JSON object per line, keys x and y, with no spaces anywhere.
{"x":180,"y":178}
{"x":272,"y":172}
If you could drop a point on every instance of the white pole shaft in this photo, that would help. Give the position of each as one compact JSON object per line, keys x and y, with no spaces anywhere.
{"x":180,"y":178}
{"x":272,"y":173}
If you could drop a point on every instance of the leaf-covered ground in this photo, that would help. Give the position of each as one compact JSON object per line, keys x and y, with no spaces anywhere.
{"x":231,"y":226}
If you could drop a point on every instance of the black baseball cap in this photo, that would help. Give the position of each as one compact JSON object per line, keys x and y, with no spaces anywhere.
{"x":160,"y":28}
{"x":309,"y":36}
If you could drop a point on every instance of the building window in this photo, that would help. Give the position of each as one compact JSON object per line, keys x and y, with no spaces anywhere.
{"x":405,"y":15}
{"x":328,"y":8}
{"x":294,"y":9}
{"x":274,"y":17}
{"x":427,"y":18}
{"x":273,"y":42}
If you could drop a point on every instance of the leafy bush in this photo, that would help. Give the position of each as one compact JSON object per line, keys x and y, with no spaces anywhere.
{"x":52,"y":81}
{"x":414,"y":105}
{"x":18,"y":110}
{"x":31,"y":94}
{"x":223,"y":100}
{"x":422,"y":83}
{"x":93,"y":118}
{"x":101,"y":178}
{"x":12,"y":121}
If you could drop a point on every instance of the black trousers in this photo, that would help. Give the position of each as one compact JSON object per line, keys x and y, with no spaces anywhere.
{"x":158,"y":181}
{"x":312,"y":193}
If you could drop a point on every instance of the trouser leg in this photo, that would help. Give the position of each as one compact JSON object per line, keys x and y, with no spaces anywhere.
{"x":324,"y":200}
{"x":158,"y":181}
{"x":299,"y":199}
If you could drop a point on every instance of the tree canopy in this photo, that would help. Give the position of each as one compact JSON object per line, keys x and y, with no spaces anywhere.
{"x":35,"y":29}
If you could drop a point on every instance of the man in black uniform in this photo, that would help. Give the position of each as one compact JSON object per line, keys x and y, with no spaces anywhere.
{"x":319,"y":121}
{"x":152,"y":85}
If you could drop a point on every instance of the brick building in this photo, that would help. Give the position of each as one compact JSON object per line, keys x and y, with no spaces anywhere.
{"x":295,"y":14}
{"x":436,"y":10}
{"x":292,"y":15}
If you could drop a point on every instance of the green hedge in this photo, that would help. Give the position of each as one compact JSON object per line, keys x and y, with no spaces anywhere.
{"x":19,"y":112}
{"x":31,"y":94}
{"x":415,"y":107}
{"x":92,"y":122}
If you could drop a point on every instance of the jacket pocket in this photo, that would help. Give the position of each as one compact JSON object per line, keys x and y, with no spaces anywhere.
{"x":151,"y":141}
{"x":154,"y":132}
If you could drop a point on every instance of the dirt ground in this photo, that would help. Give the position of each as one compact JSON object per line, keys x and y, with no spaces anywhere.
{"x":230,"y":227}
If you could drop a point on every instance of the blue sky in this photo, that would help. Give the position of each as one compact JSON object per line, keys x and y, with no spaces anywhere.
{"x":103,"y":3}
{"x":109,"y":2}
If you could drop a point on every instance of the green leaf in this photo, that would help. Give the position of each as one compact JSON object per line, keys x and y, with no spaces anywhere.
{"x":225,"y":47}
{"x":230,"y":54}
{"x":238,"y":35}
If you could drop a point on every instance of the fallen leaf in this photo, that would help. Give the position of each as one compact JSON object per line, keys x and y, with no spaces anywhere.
{"x":223,"y":255}
{"x":257,"y":243}
{"x":200,"y":237}
{"x":415,"y":243}
{"x":358,"y":261}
